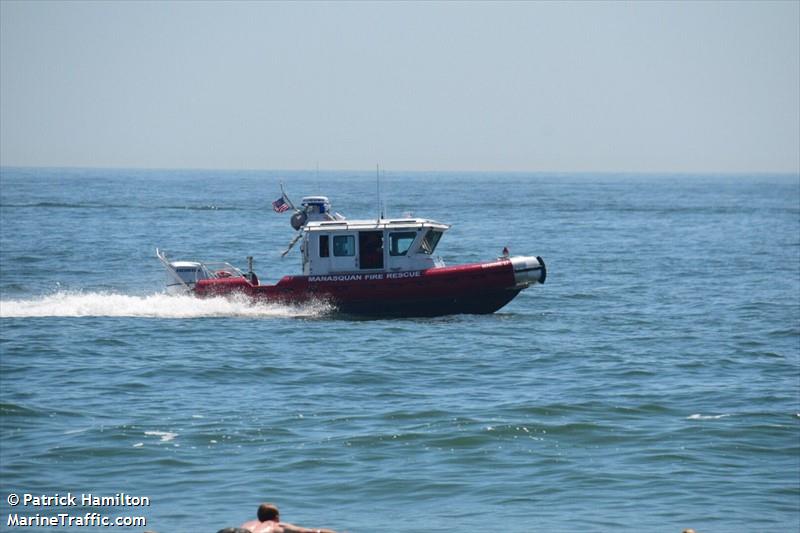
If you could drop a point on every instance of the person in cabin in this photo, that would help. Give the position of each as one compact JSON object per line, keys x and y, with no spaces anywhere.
{"x":372,"y":251}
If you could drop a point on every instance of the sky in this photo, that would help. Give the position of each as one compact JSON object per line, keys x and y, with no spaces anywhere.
{"x":525,"y":86}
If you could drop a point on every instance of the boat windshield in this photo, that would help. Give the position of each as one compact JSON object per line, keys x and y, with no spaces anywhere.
{"x":399,"y":243}
{"x":430,"y":241}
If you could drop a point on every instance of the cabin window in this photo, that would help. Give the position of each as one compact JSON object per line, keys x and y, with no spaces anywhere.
{"x":344,"y":245}
{"x":324,"y":251}
{"x":430,"y":241}
{"x":399,"y":243}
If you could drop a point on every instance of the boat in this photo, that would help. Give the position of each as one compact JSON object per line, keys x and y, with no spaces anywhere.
{"x":374,"y":268}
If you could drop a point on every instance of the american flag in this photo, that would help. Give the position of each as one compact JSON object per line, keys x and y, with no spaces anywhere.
{"x":280,"y":205}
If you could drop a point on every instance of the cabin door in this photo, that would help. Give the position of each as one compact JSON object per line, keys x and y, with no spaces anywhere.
{"x":370,"y":250}
{"x":343,"y":256}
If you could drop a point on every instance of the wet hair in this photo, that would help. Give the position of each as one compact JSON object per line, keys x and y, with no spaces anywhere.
{"x":267,"y":511}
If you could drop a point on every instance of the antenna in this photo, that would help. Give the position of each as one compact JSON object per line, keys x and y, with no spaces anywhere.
{"x":378,"y":184}
{"x":383,"y":207}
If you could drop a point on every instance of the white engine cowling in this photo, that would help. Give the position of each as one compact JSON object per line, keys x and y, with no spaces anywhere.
{"x":184,"y":275}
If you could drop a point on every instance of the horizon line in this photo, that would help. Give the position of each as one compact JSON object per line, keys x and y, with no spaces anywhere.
{"x":384,"y":170}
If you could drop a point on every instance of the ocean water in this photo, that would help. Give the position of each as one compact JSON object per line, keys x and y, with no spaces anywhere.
{"x":652,"y":384}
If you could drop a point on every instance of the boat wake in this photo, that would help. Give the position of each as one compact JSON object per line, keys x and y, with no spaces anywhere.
{"x":105,"y":304}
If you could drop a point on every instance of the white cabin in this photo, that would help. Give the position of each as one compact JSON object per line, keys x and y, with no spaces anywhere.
{"x":385,"y":245}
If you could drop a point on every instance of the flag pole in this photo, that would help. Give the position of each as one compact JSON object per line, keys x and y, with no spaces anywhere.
{"x":285,"y":197}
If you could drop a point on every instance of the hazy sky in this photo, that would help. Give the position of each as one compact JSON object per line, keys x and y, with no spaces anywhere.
{"x":687,"y":87}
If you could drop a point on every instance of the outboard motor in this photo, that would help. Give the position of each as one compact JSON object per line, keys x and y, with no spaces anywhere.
{"x":184,"y":275}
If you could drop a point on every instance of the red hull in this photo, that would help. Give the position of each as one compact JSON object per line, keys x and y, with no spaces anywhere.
{"x":477,"y":288}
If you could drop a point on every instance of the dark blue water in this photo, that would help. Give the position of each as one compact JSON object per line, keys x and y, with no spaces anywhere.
{"x":652,"y":384}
